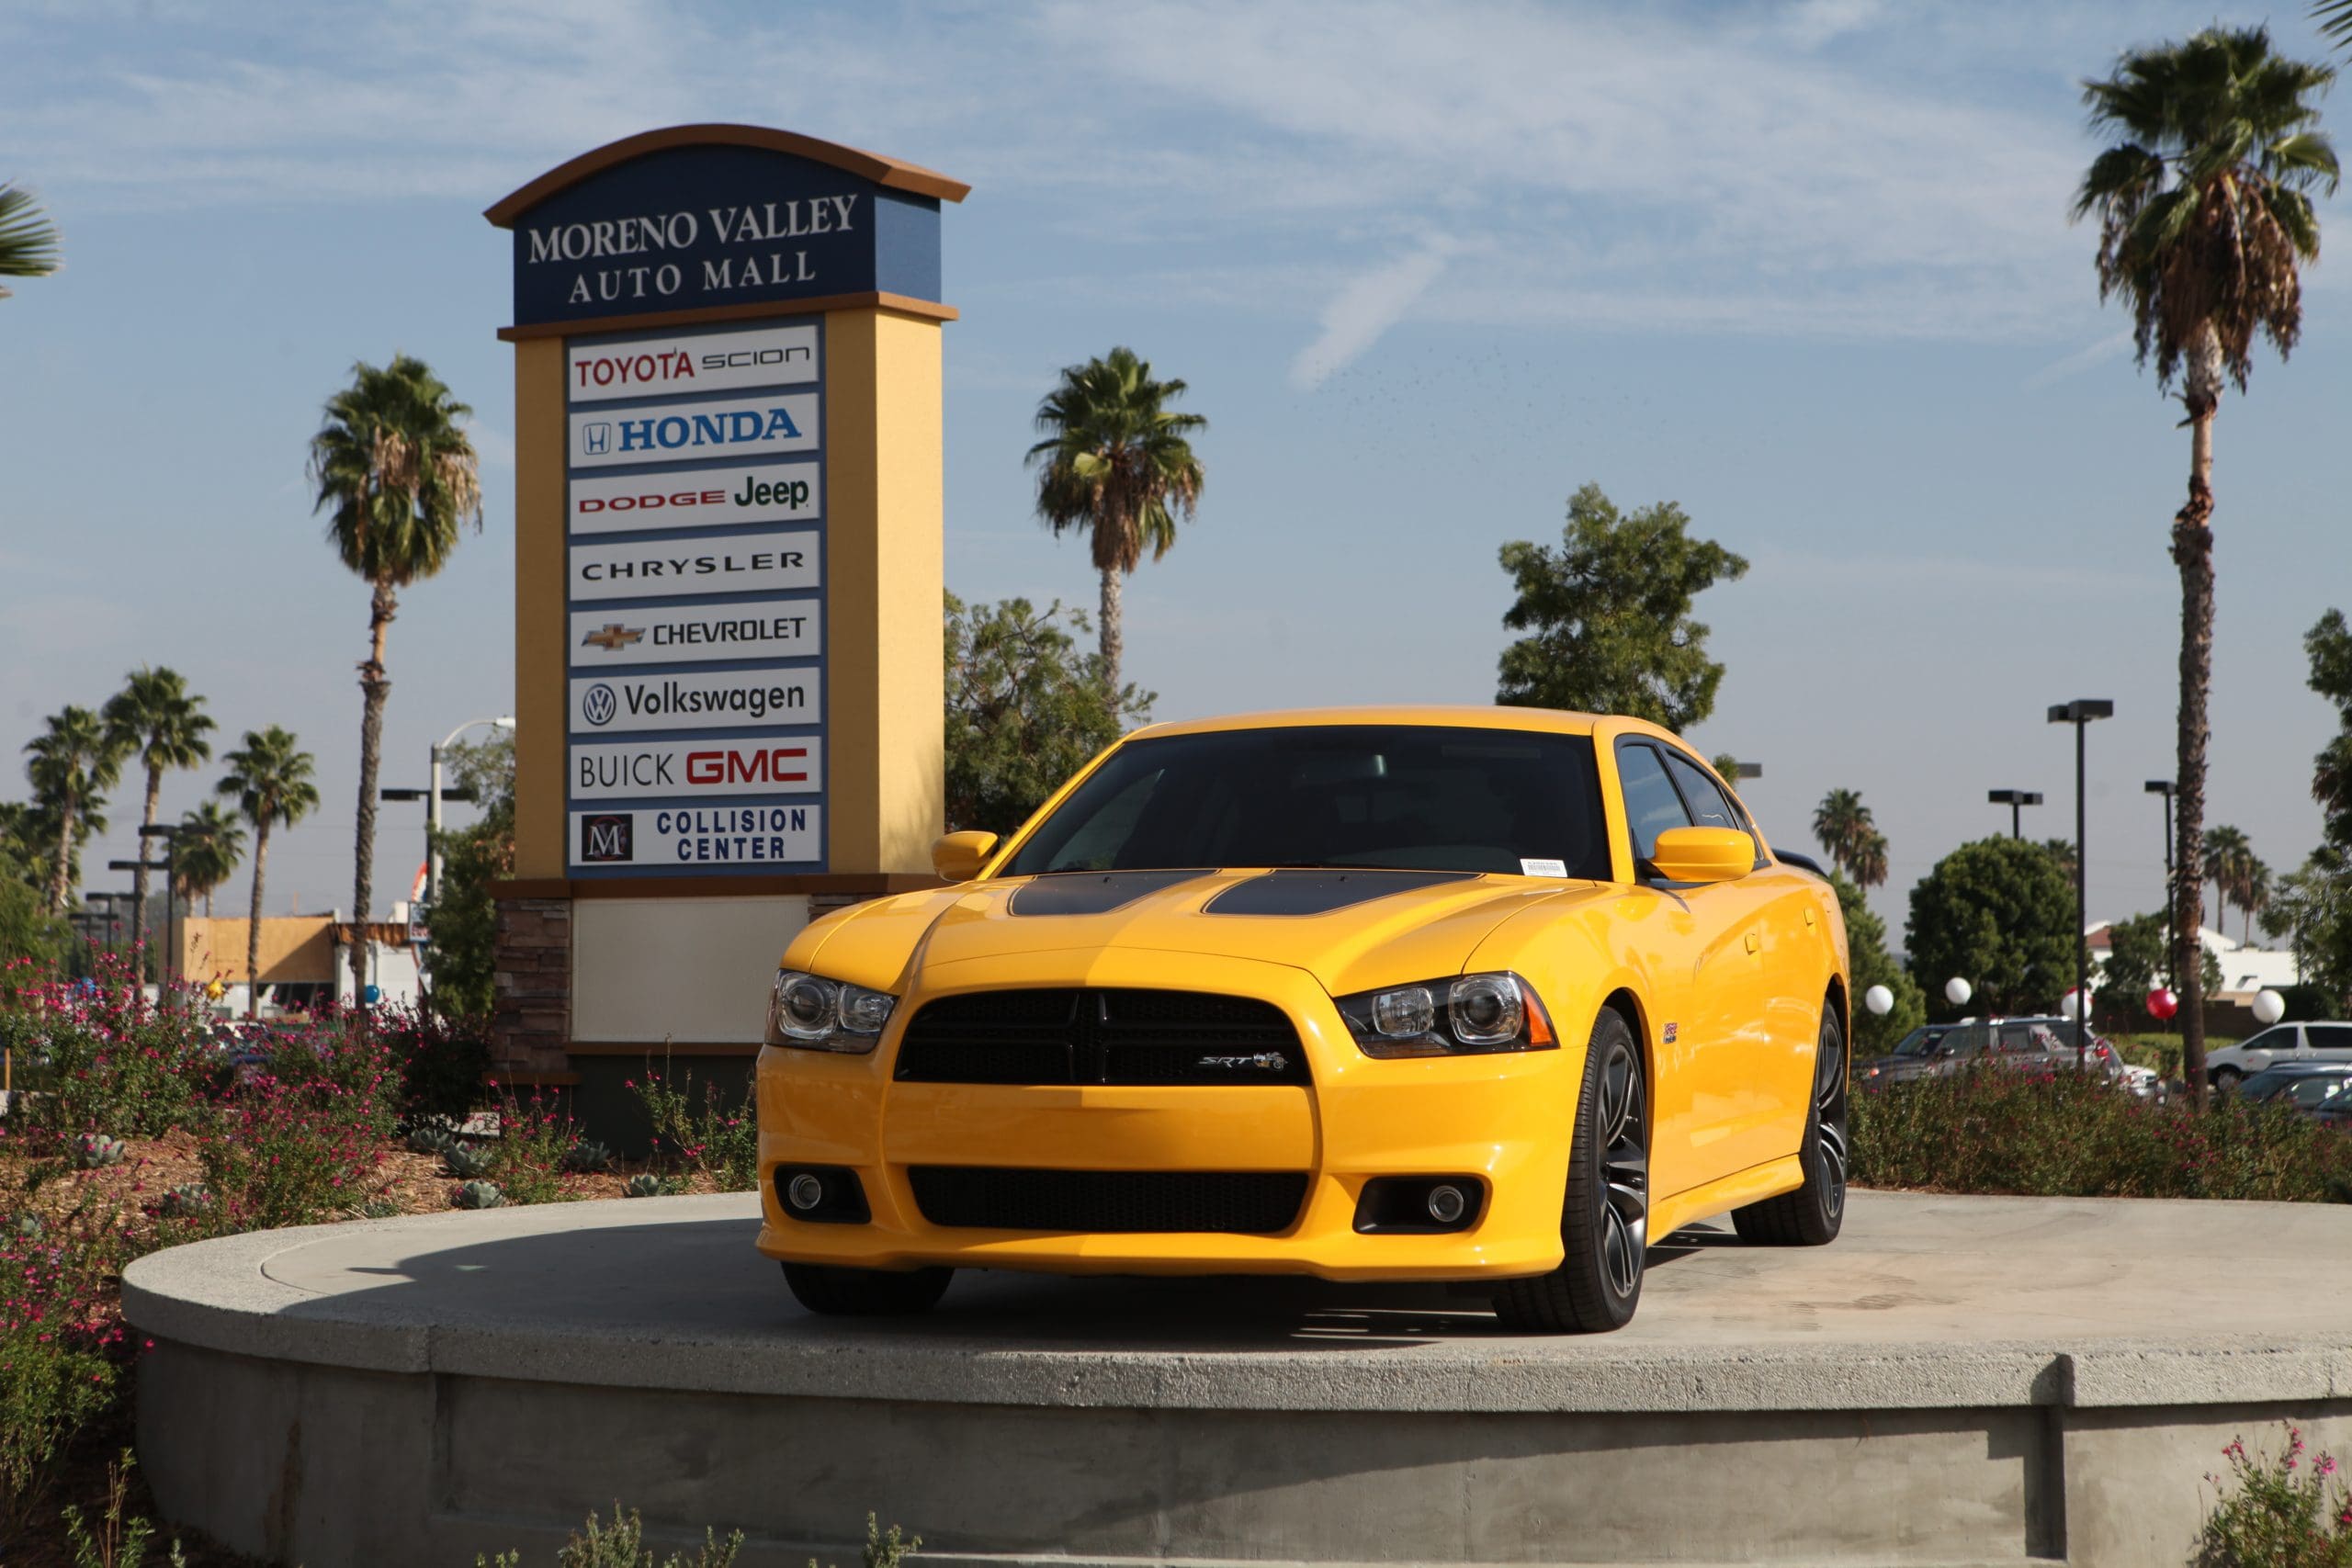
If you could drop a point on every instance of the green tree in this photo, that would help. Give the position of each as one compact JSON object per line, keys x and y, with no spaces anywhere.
{"x":1868,"y":964}
{"x":2312,"y":905}
{"x":269,"y":777}
{"x":399,"y":481}
{"x":27,"y":930}
{"x":2205,"y":218}
{"x":2137,"y":963}
{"x":212,"y":846}
{"x":464,"y":921}
{"x":71,"y":763}
{"x":1117,"y":463}
{"x":2329,"y":646}
{"x":158,"y":722}
{"x":1610,"y":614}
{"x":1999,"y":914}
{"x":28,"y":239}
{"x":1026,"y":710}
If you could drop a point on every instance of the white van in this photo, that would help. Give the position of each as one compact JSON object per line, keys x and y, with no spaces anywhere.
{"x":2226,"y":1067}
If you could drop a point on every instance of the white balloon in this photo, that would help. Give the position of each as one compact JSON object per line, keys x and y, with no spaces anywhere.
{"x":2269,"y":1007}
{"x":1957,"y":991}
{"x":1879,"y":1000}
{"x":2070,"y":1006}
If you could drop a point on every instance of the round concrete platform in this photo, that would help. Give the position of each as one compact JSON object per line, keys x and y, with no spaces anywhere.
{"x":1956,"y":1381}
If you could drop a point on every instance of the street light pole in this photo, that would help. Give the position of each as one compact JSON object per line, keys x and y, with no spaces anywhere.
{"x":170,"y":833}
{"x":2080,"y":713}
{"x":2164,"y":788}
{"x":432,"y":805}
{"x":2014,"y":799}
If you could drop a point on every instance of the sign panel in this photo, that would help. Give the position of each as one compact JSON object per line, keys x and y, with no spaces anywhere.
{"x":731,"y":699}
{"x":703,"y":838}
{"x":711,"y":431}
{"x":706,"y":498}
{"x":597,"y":371}
{"x":699,"y":634}
{"x":764,"y":765}
{"x":746,"y":563}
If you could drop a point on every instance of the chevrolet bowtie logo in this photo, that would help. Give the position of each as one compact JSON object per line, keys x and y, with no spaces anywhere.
{"x":612,"y":638}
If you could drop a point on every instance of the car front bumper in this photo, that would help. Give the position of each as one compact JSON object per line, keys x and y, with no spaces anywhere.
{"x":1503,"y":1119}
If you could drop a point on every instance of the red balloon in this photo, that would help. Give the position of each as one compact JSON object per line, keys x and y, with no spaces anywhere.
{"x":2162,"y":1003}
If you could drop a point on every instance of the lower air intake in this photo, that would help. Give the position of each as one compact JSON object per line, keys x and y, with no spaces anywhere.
{"x":1237,"y":1203}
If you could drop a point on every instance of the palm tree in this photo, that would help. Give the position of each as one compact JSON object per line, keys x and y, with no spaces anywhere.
{"x":1845,"y":827}
{"x":28,"y":239}
{"x":2205,"y":218}
{"x":156,"y":719}
{"x":1868,"y":867}
{"x":400,"y":480}
{"x":2227,"y":854}
{"x":2063,"y":852}
{"x":212,"y":843}
{"x":1117,"y":463}
{"x":269,"y":777}
{"x":2252,"y":896}
{"x":70,"y":764}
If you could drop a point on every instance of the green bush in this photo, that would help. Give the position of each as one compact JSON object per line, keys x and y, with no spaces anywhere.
{"x":2287,"y":1511}
{"x":534,"y":1147}
{"x":2071,"y":1135}
{"x":709,"y":1133}
{"x":59,"y":1349}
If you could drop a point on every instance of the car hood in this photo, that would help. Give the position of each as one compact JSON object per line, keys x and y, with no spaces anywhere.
{"x":1896,"y":1068}
{"x":1352,"y":929}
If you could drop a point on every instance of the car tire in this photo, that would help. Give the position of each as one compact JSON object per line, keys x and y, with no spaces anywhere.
{"x":866,"y":1292}
{"x":2226,"y":1079}
{"x":1604,"y":1217}
{"x":1813,"y":1214}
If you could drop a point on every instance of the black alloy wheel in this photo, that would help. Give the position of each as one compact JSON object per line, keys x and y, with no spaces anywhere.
{"x":1812,"y":1215}
{"x":1604,"y":1219}
{"x":866,"y":1292}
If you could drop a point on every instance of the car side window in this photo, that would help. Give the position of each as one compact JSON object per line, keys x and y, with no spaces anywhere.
{"x":2335,"y":1039}
{"x":1708,"y":807}
{"x":1651,"y":806}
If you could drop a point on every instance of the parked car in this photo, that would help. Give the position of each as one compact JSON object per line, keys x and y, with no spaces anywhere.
{"x":2304,"y":1085}
{"x":2322,"y":1041}
{"x":1938,"y":1050}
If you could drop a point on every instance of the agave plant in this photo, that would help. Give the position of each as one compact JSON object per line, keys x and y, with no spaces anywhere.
{"x":29,"y":1227}
{"x":481,"y":1195}
{"x":187,"y":1200}
{"x":587,"y":1157}
{"x":645,"y":1184}
{"x":465,"y":1161}
{"x":95,"y":1150}
{"x":431,"y":1137}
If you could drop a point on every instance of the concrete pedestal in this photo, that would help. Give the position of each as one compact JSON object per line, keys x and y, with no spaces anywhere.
{"x":1956,"y":1381}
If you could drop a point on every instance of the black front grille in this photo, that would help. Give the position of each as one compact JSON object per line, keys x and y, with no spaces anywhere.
{"x":1244,"y":1202}
{"x":1101,"y":1037}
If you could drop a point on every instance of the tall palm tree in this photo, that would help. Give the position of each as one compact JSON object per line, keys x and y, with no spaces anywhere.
{"x":1118,"y":462}
{"x":158,"y":720}
{"x":70,"y":764}
{"x":1845,"y":826}
{"x":28,"y":239}
{"x":399,"y":481}
{"x":269,"y":778}
{"x":212,"y":843}
{"x":2205,"y":219}
{"x":1869,"y":868}
{"x":2252,"y":895}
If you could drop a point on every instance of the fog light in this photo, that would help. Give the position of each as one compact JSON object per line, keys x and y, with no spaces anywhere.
{"x":804,"y":1192}
{"x":1447,"y":1203}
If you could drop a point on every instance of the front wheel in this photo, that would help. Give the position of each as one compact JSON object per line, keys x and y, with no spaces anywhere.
{"x":866,"y":1292}
{"x":2226,"y":1079}
{"x":1811,"y":1216}
{"x":1604,"y":1224}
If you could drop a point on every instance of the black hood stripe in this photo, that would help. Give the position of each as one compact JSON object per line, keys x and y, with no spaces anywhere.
{"x":1321,"y":892}
{"x":1090,"y":893}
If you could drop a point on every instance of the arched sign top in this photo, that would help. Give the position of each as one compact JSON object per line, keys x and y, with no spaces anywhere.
{"x":894,"y":173}
{"x":706,"y":224}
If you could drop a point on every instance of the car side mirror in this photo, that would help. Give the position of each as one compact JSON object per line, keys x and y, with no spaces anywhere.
{"x":1703,"y":855}
{"x":958,"y":857}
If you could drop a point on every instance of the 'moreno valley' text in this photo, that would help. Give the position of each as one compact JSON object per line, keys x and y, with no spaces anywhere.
{"x":763,"y":224}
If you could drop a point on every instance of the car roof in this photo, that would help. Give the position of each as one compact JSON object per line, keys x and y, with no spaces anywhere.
{"x":1459,"y":716}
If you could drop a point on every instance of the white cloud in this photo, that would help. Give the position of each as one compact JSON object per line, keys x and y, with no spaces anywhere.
{"x":2107,"y":348}
{"x":1366,"y":307}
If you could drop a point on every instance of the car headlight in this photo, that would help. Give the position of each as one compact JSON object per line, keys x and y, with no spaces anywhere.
{"x":816,"y":1014}
{"x":1460,"y":1015}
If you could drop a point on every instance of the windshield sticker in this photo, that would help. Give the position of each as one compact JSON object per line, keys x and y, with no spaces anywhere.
{"x":1543,"y":867}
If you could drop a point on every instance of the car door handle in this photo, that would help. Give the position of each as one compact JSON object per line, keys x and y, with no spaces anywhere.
{"x":1753,"y":941}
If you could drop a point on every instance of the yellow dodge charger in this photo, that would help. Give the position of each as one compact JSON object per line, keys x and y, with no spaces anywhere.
{"x":1488,"y":995}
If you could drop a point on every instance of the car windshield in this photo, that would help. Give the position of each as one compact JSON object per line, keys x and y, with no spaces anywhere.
{"x":1920,"y":1042}
{"x":1413,"y":796}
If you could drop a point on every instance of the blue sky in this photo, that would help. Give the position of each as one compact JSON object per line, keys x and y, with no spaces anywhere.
{"x":1804,"y":268}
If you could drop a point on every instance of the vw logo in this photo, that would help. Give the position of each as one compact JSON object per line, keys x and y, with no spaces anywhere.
{"x":596,"y":438}
{"x":599,"y":704}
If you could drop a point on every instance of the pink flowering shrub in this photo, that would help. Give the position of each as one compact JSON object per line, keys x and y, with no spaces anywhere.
{"x":2287,"y":1510}
{"x":301,"y":1137}
{"x":713,"y":1134}
{"x":110,"y":1061}
{"x":62,"y":1346}
{"x":527,"y":1161}
{"x":2065,"y":1134}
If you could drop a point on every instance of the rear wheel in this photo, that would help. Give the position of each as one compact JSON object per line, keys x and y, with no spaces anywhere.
{"x":1604,"y":1222}
{"x":866,"y":1292}
{"x":2226,"y":1079}
{"x":1811,"y":1216}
